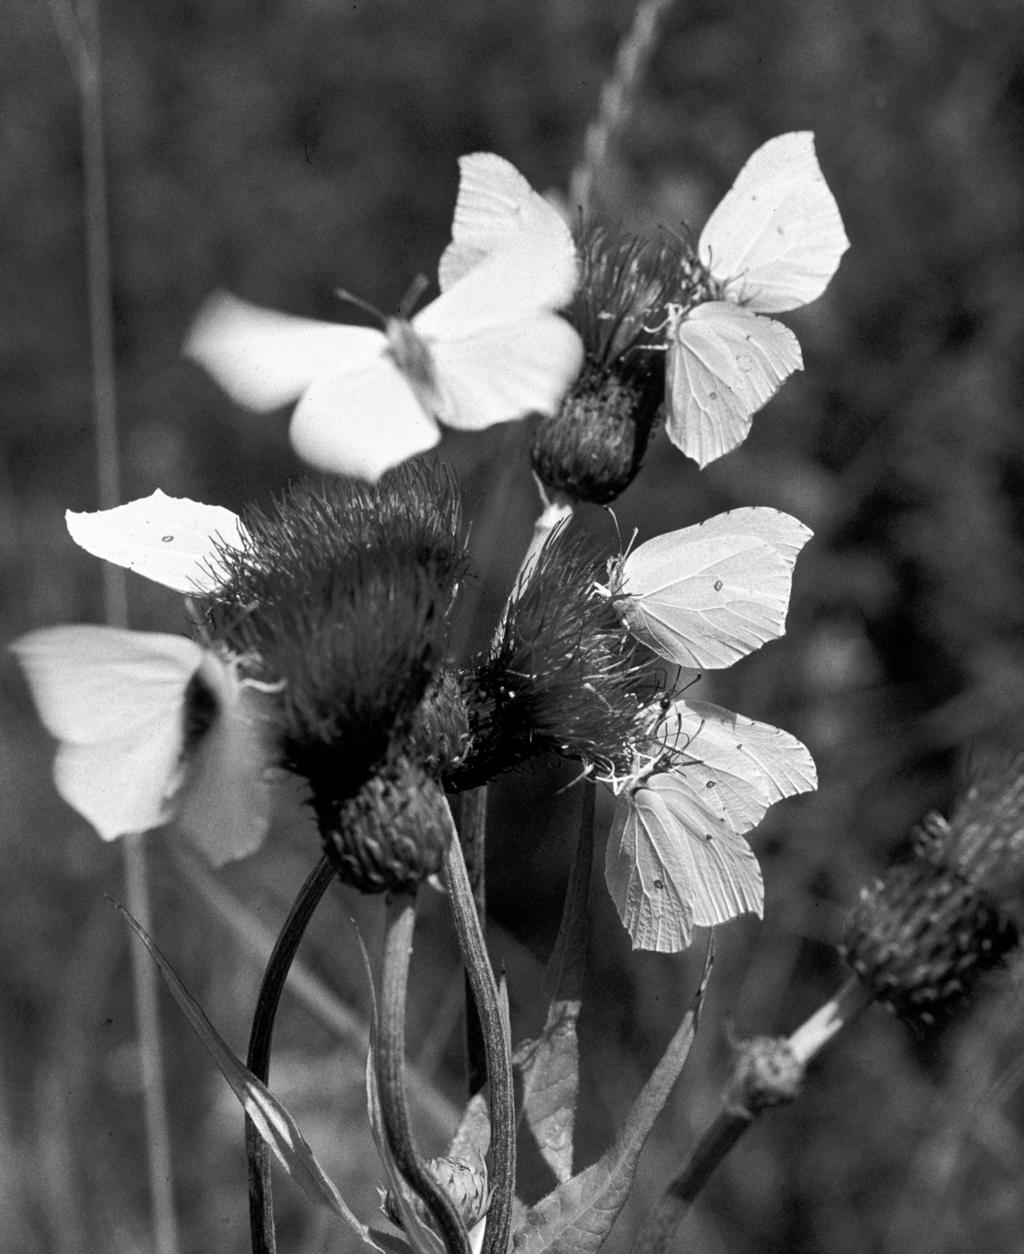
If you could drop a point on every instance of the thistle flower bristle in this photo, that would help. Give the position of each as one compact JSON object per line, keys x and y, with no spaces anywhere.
{"x":341,"y":592}
{"x":562,"y":676}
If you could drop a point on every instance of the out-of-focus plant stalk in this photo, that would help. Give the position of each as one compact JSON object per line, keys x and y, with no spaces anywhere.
{"x":79,"y":32}
{"x":501,"y":1165}
{"x":618,"y":96}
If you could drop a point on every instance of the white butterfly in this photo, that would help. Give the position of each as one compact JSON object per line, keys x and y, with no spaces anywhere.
{"x":152,"y":727}
{"x":171,"y":540}
{"x":707,"y":595}
{"x":495,"y":205}
{"x":677,"y":856}
{"x":772,"y":244}
{"x":491,"y":348}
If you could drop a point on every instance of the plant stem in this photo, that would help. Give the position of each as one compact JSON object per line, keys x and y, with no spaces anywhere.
{"x":390,"y":1064}
{"x":501,"y":1162}
{"x":738,"y":1112}
{"x":261,"y":1201}
{"x":79,"y":32}
{"x":472,"y":835}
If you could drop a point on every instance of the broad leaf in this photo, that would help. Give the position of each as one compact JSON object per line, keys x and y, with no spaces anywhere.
{"x":548,"y":1067}
{"x":577,"y":1217}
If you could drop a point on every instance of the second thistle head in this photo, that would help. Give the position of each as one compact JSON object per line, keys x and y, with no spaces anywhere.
{"x":342,"y":592}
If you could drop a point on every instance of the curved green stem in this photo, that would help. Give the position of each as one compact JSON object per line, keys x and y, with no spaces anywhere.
{"x":390,"y":1064}
{"x":473,"y":835}
{"x":738,"y":1112}
{"x":501,"y":1156}
{"x":261,"y":1202}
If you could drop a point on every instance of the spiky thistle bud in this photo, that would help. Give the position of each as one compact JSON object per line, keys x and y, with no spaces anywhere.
{"x":592,"y":448}
{"x":924,"y":933}
{"x":562,"y":675}
{"x":339,"y":596}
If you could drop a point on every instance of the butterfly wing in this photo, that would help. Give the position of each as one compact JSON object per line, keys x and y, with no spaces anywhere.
{"x":225,"y":801}
{"x":752,"y":765}
{"x":171,"y":540}
{"x":705,"y":596}
{"x":361,"y":421}
{"x":115,"y":701}
{"x":672,"y":864}
{"x":776,"y":238}
{"x":498,"y":348}
{"x":505,"y":372}
{"x":723,"y":363}
{"x":264,"y":359}
{"x":494,"y":204}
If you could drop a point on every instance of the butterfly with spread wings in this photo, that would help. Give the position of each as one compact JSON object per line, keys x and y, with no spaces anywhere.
{"x":491,"y":348}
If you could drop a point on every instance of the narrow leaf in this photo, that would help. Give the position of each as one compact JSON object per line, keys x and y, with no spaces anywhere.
{"x":577,"y":1217}
{"x":549,"y":1066}
{"x":272,"y":1120}
{"x":473,"y":1134}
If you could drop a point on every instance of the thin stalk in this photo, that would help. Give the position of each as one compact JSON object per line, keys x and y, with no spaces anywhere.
{"x":79,"y":32}
{"x":261,"y":1201}
{"x":472,"y":835}
{"x":618,"y":99}
{"x":390,"y":1064}
{"x":501,"y":1163}
{"x":738,"y":1113}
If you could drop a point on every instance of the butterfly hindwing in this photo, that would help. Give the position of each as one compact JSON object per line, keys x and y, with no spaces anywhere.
{"x":673,"y":864}
{"x":723,"y":363}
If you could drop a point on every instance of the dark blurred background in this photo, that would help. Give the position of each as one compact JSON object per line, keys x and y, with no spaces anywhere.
{"x":287,"y":147}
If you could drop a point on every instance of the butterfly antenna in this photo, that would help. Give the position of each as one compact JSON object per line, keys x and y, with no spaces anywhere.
{"x":412,"y":295}
{"x":364,"y":305}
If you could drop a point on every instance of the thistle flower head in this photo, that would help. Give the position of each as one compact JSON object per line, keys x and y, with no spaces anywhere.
{"x":341,"y":592}
{"x":923,"y":934}
{"x":562,"y":674}
{"x":593,"y":446}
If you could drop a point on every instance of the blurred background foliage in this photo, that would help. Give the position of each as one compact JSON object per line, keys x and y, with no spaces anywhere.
{"x":283,"y":148}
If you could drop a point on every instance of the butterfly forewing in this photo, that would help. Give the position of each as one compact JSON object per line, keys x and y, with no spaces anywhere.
{"x":171,"y":540}
{"x":707,"y":595}
{"x":264,"y":359}
{"x":748,"y":757}
{"x":776,"y":238}
{"x":115,"y":701}
{"x":496,"y":203}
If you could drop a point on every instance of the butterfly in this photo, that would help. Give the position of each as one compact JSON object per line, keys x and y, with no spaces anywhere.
{"x":705,"y":596}
{"x":489,"y":349}
{"x":152,"y":727}
{"x":171,"y":540}
{"x":677,"y":857}
{"x":773,"y":244}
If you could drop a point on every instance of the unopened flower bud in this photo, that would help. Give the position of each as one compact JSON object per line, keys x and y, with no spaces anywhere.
{"x":464,"y":1181}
